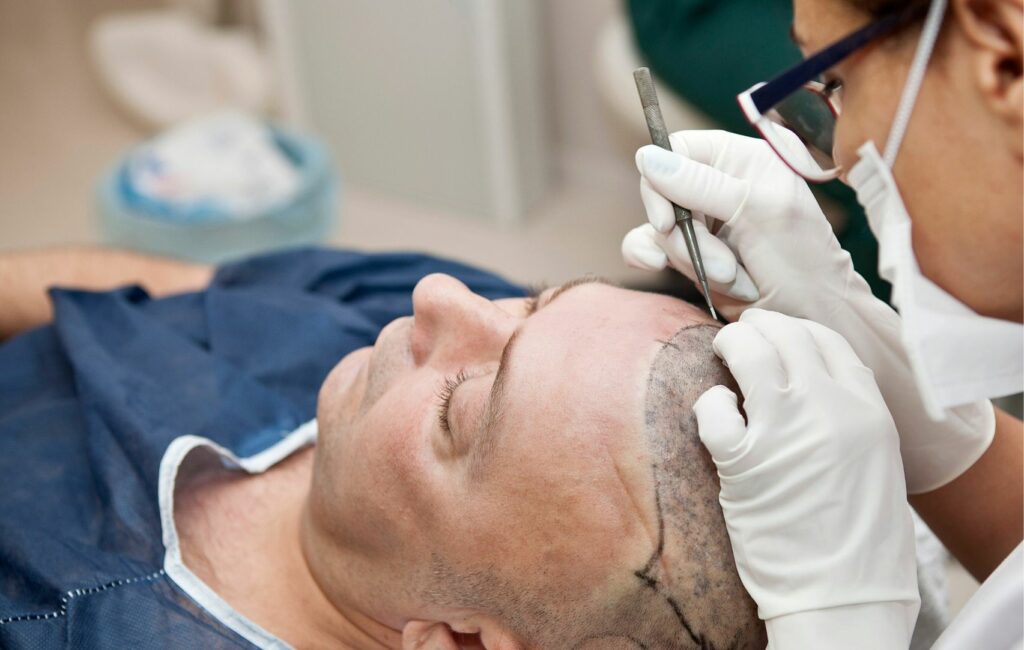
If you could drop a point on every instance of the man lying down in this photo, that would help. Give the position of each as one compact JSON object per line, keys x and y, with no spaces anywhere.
{"x":494,"y":472}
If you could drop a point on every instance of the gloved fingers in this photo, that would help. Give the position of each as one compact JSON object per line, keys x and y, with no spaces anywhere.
{"x":795,"y":147}
{"x":720,"y":262}
{"x":797,"y":349}
{"x":753,"y":360}
{"x":719,"y":423}
{"x":691,"y":184}
{"x":725,"y":275}
{"x":660,"y":213}
{"x":842,"y":362}
{"x":641,"y":249}
{"x":701,"y":145}
{"x":714,"y":146}
{"x":700,"y":217}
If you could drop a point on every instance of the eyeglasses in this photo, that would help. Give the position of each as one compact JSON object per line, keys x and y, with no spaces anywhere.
{"x":796,"y":113}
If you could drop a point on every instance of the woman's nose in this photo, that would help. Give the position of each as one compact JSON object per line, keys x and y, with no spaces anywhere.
{"x":453,"y":324}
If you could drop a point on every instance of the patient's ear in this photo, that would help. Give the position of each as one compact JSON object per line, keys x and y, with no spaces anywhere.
{"x":424,"y":635}
{"x":496,"y":637}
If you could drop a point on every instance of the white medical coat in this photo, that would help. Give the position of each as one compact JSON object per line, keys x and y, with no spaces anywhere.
{"x":993,"y":618}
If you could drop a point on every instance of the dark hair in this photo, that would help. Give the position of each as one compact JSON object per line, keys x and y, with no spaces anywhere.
{"x":877,"y":8}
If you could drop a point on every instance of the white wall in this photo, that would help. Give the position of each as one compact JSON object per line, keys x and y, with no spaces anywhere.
{"x":438,"y":101}
{"x":581,"y":122}
{"x":346,"y":49}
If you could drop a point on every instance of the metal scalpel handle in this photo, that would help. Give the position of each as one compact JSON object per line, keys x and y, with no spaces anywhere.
{"x":659,"y":136}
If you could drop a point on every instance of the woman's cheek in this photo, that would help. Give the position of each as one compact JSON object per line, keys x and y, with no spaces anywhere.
{"x":845,"y":143}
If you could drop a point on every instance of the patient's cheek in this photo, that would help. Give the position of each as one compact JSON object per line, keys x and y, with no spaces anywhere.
{"x":396,"y":436}
{"x":610,"y":643}
{"x":342,"y":386}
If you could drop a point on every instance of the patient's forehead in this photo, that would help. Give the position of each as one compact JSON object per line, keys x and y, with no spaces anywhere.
{"x":573,"y":451}
{"x":605,"y":296}
{"x":594,"y":345}
{"x":614,"y":314}
{"x":584,"y":356}
{"x":578,"y":374}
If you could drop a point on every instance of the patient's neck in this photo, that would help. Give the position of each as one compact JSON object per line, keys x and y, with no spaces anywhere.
{"x":240,"y":534}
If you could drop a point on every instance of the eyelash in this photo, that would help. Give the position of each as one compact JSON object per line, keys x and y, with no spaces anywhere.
{"x":444,"y":395}
{"x":832,"y":86}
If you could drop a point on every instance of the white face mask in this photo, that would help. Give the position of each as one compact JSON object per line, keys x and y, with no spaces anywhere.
{"x":957,"y":356}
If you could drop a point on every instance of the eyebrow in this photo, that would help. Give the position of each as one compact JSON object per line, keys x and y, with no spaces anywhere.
{"x":565,"y":286}
{"x":499,"y":389}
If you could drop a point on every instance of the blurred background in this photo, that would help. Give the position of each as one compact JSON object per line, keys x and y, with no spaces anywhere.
{"x":476,"y":130}
{"x":497,"y":132}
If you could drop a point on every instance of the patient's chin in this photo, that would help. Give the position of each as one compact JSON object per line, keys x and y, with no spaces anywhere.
{"x":340,"y":390}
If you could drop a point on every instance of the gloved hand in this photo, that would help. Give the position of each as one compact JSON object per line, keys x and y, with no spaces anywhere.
{"x":812,"y":487}
{"x":775,"y":250}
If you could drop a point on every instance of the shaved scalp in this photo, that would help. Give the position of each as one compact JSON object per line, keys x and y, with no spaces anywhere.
{"x":703,"y":602}
{"x":688,"y":594}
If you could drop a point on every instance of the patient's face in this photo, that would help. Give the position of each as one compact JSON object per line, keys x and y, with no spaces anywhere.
{"x":493,"y":438}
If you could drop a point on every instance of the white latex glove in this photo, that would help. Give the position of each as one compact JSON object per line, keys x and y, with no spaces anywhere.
{"x":812,"y":487}
{"x":775,"y":250}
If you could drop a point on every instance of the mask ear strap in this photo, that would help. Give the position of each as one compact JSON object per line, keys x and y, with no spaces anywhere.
{"x":929,"y":34}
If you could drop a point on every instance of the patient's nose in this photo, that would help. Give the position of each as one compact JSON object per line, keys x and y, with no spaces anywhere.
{"x":453,"y":324}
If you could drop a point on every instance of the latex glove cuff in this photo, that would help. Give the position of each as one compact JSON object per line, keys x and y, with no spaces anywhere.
{"x":879,"y":626}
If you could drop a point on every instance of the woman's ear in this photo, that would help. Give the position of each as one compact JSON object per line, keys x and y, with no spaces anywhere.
{"x":994,"y":30}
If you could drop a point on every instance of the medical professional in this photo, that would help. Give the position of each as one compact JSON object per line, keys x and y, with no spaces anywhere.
{"x":919,"y":107}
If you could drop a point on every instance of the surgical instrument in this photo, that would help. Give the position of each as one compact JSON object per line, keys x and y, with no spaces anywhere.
{"x":659,"y":136}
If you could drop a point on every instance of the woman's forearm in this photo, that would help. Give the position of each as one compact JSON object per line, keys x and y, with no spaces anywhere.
{"x":25,"y":277}
{"x":980,"y":515}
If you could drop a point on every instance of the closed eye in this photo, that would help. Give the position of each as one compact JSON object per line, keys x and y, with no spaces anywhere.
{"x":444,"y":396}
